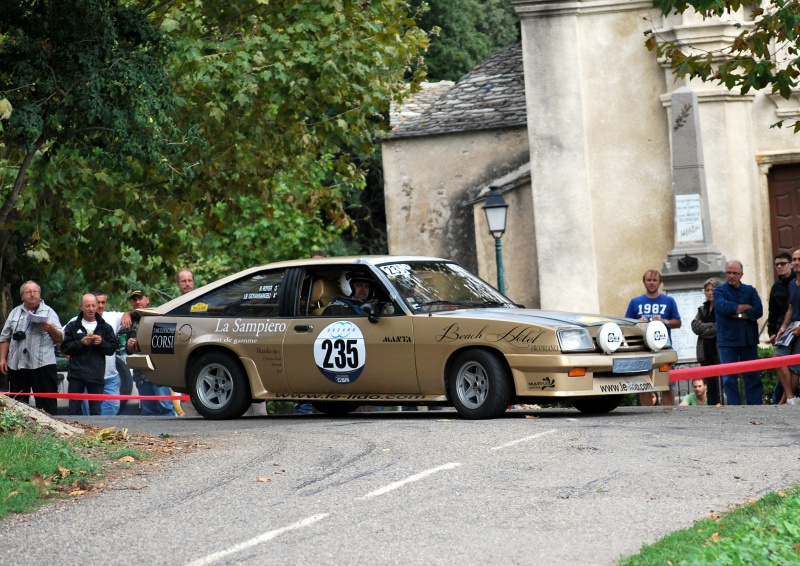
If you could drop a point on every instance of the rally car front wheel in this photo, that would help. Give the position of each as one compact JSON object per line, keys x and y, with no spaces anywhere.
{"x":480,"y":385}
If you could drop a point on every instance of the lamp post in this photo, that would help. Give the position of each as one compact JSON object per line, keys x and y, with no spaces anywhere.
{"x":496,"y":211}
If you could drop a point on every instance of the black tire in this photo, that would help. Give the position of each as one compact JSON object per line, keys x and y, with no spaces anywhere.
{"x":218,"y":387}
{"x":480,"y":385}
{"x":335,"y":408}
{"x":596,"y":405}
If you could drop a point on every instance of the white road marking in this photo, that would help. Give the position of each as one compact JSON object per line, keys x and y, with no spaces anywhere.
{"x":269,"y":535}
{"x":415,"y":477}
{"x":526,"y":439}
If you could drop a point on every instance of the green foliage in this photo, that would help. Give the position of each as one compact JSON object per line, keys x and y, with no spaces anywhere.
{"x":209,"y":134}
{"x":765,"y":532}
{"x":83,"y":74}
{"x":91,"y":121}
{"x":468,"y":31}
{"x":763,"y":55}
{"x":11,"y":419}
{"x":35,"y":467}
{"x":769,"y":377}
{"x":285,"y":92}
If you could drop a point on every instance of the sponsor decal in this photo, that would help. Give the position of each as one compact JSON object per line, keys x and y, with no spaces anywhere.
{"x":199,"y":307}
{"x":397,"y":339}
{"x":351,"y":396}
{"x":340,"y":353}
{"x":162,"y":340}
{"x":626,"y":387}
{"x":546,"y":383}
{"x":453,"y":333}
{"x":518,"y":337}
{"x":244,"y":326}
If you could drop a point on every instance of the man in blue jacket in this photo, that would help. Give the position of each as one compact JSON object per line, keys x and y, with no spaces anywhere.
{"x":738,"y":309}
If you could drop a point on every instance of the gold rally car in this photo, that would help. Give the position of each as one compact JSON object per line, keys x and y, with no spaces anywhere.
{"x":389,"y":330}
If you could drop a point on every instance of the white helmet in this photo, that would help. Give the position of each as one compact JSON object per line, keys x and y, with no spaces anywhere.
{"x":349,"y":277}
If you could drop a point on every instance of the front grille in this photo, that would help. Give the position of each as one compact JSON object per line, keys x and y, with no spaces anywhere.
{"x":629,"y":344}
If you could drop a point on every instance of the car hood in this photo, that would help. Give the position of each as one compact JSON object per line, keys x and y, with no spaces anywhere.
{"x":552,"y":319}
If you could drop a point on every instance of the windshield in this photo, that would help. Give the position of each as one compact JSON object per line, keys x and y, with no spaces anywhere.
{"x":432,"y":286}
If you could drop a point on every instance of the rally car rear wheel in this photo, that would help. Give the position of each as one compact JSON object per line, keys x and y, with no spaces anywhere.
{"x":218,"y":386}
{"x":480,"y":385}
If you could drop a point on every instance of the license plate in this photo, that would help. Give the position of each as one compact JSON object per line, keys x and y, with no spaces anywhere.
{"x":632,"y":365}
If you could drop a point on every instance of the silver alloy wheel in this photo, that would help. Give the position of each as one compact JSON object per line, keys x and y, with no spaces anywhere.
{"x":472,"y":385}
{"x":214,"y":386}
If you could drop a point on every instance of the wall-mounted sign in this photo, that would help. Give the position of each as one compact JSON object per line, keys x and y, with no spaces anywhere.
{"x":688,"y":219}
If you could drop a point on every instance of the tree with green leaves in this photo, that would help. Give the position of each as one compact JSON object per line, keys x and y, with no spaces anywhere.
{"x":246,"y":141}
{"x":81,"y":80}
{"x":762,"y":55}
{"x":469,"y":31}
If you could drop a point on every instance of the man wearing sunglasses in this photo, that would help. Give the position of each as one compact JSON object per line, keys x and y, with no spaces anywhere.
{"x":778,"y":303}
{"x":779,"y":294}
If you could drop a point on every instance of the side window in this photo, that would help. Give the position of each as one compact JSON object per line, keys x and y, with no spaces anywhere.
{"x":318,"y":290}
{"x":321,"y":294}
{"x":253,"y":296}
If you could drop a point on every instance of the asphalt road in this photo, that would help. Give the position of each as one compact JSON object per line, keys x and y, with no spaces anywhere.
{"x":556,"y":487}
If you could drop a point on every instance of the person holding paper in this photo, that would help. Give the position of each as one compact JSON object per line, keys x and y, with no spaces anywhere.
{"x":787,"y":342}
{"x":28,"y":347}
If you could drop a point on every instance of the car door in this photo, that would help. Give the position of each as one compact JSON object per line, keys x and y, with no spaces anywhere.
{"x":347,"y":354}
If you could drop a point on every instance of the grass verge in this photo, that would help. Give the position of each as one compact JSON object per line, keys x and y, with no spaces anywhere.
{"x":38,"y":465}
{"x":766,"y":531}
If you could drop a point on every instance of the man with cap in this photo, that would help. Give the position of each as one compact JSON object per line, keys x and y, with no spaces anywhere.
{"x":140,"y":300}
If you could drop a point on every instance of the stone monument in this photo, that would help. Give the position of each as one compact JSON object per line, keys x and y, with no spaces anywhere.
{"x":693,"y":258}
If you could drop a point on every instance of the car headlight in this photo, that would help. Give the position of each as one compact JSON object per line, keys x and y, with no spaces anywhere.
{"x":575,"y":340}
{"x":656,"y":335}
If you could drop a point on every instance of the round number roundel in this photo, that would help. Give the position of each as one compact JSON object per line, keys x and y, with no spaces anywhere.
{"x":339,"y":352}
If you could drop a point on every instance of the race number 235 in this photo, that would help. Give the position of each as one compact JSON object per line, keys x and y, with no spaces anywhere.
{"x":340,"y":354}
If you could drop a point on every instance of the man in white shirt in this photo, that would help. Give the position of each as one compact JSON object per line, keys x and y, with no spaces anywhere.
{"x":116,"y":320}
{"x":111,"y":386}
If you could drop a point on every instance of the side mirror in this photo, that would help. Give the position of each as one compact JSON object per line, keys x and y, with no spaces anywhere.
{"x":369,"y":310}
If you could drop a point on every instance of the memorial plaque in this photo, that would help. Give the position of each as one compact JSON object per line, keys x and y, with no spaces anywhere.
{"x":683,"y":339}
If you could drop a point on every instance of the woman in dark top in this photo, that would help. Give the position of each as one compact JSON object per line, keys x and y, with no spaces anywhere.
{"x":705,"y":326}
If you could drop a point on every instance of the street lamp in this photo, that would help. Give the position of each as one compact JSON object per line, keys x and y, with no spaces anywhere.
{"x":496,"y":211}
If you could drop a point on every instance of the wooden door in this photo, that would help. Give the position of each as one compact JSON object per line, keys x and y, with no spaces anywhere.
{"x":784,"y":205}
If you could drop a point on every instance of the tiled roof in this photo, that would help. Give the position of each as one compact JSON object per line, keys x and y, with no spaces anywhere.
{"x":491,"y":95}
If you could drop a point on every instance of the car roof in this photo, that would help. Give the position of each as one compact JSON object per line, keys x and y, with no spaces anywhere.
{"x":333,"y":261}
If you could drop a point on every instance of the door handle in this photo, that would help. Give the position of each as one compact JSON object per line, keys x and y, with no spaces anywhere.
{"x":304,"y":328}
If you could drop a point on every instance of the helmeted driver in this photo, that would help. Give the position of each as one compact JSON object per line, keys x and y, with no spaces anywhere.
{"x":356,"y":289}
